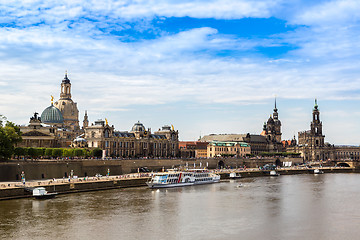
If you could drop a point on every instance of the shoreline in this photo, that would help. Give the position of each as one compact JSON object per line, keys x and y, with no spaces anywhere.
{"x":15,"y":190}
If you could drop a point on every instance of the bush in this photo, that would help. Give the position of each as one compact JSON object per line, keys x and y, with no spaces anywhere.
{"x":20,"y":151}
{"x":97,"y":152}
{"x":32,"y":152}
{"x":79,"y":152}
{"x":68,"y":152}
{"x":48,"y":152}
{"x":57,"y":152}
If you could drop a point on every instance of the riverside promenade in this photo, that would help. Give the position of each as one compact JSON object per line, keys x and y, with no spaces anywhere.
{"x":17,"y":189}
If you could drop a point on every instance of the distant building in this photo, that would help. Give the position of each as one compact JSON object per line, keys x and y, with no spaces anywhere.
{"x":36,"y":135}
{"x":312,"y":146}
{"x":58,"y":125}
{"x":139,"y":142}
{"x":193,"y":149}
{"x":224,"y":149}
{"x":268,"y":141}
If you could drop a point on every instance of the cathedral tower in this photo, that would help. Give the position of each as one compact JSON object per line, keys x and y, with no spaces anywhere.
{"x":86,"y":121}
{"x":67,"y":107}
{"x":277,"y":124}
{"x":273,"y":126}
{"x":316,"y":128}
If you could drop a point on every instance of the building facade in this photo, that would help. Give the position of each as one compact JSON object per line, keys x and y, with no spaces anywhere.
{"x":58,"y":125}
{"x":228,"y":149}
{"x":193,"y":149}
{"x":312,"y":146}
{"x":137,"y":143}
{"x":268,"y":141}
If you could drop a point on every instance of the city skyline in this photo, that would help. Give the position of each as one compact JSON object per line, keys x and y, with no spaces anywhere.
{"x":203,"y":66}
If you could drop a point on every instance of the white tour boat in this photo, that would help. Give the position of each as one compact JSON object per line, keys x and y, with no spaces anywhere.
{"x":41,"y":193}
{"x":318,"y":171}
{"x":274,"y":173}
{"x":190,"y":177}
{"x":234,"y":175}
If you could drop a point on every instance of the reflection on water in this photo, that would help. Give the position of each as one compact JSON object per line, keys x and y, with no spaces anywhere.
{"x":285,"y":207}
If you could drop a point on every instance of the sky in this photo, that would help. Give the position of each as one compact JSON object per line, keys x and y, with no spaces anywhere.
{"x":206,"y":66}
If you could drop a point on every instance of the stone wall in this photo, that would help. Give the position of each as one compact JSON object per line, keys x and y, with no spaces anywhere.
{"x":34,"y":170}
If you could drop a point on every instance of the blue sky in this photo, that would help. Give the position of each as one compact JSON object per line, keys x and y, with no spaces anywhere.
{"x":210,"y":66}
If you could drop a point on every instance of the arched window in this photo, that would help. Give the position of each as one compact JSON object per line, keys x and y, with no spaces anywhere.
{"x":107,"y":133}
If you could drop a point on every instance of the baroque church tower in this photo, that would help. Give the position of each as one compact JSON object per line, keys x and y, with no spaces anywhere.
{"x":317,"y":138}
{"x":273,"y":127}
{"x":86,"y":121}
{"x":277,"y":124}
{"x":67,"y":107}
{"x":311,"y":142}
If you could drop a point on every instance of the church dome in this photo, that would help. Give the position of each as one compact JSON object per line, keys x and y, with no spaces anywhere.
{"x":138,"y":127}
{"x":52,"y":115}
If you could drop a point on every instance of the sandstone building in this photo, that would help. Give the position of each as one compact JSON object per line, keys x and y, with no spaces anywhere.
{"x":312,"y":146}
{"x":58,"y":124}
{"x":139,"y":142}
{"x":268,"y":141}
{"x":238,"y":149}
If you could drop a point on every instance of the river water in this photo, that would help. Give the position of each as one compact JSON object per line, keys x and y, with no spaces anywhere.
{"x":286,"y":207}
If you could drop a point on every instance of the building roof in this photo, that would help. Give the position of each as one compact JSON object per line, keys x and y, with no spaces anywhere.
{"x":157,"y":136}
{"x":223,"y":137}
{"x":35,"y":133}
{"x":52,"y":115}
{"x":138,"y":127}
{"x":257,"y":138}
{"x":124,"y":134}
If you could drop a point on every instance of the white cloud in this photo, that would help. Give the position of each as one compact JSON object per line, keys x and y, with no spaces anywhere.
{"x":113,"y":76}
{"x":331,"y":14}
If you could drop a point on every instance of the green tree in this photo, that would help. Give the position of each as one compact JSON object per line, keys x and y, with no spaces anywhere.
{"x":20,"y":151}
{"x":48,"y":152}
{"x":9,"y":135}
{"x":68,"y":152}
{"x":78,"y":152}
{"x":32,"y":152}
{"x":96,"y":152}
{"x":57,"y":152}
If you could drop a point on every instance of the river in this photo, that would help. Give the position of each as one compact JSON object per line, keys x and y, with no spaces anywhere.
{"x":285,"y":207}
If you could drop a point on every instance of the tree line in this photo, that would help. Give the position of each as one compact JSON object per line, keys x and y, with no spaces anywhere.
{"x":29,"y":152}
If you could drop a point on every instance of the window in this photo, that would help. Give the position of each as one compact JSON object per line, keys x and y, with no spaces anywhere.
{"x":107,"y":133}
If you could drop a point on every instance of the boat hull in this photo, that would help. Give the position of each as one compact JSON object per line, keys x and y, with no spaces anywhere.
{"x":159,"y":185}
{"x":46,"y":196}
{"x":173,"y":185}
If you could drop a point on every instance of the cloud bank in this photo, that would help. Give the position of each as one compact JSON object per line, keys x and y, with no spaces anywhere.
{"x":120,"y":55}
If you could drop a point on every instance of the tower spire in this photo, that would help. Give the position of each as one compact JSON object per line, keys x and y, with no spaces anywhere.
{"x":275,"y":109}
